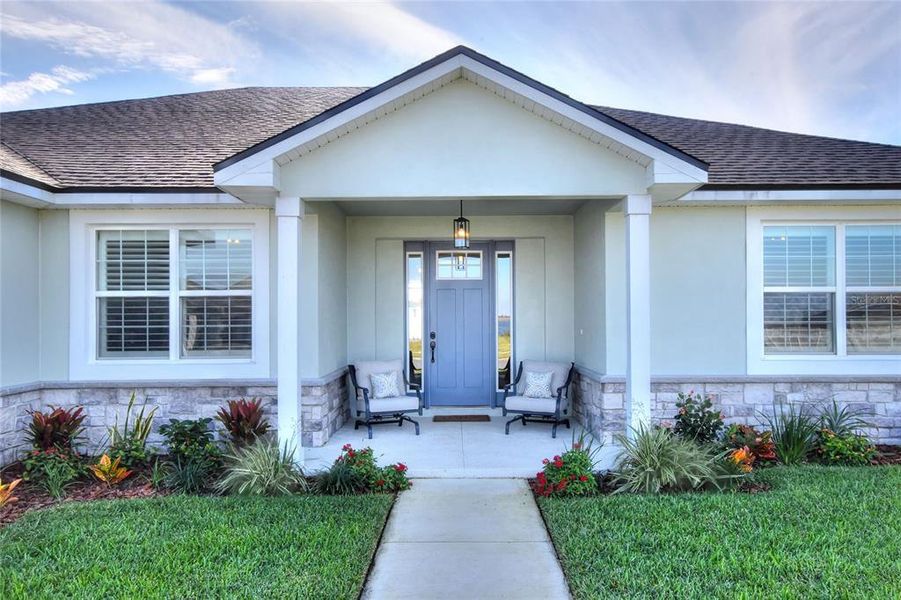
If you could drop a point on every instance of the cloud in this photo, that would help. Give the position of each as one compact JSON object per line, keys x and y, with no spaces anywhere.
{"x":16,"y":93}
{"x":213,"y":77}
{"x":383,"y":27}
{"x":146,"y":35}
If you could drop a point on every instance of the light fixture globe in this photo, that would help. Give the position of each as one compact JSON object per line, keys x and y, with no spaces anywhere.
{"x":461,"y":231}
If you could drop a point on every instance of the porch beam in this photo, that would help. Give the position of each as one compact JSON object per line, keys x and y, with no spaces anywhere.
{"x":637,"y":209}
{"x":289,"y":214}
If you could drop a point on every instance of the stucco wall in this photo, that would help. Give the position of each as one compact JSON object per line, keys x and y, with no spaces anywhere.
{"x":19,"y":294}
{"x":589,"y":308}
{"x":543,"y":274}
{"x":464,"y":141}
{"x":54,"y":282}
{"x":332,"y":293}
{"x":697,"y":291}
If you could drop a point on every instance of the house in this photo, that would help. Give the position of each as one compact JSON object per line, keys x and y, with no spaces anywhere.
{"x":253,"y":242}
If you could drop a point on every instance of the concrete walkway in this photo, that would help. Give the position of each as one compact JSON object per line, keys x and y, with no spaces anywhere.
{"x":466,"y":538}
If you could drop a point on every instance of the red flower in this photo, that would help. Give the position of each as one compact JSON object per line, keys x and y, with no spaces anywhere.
{"x":346,"y":447}
{"x":545,"y":461}
{"x":583,"y":478}
{"x":400,"y":467}
{"x":556,"y":458}
{"x":380,"y":482}
{"x":577,"y":446}
{"x":558,"y":463}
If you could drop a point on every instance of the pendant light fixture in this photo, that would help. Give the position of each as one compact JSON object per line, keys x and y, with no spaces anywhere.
{"x":461,"y":231}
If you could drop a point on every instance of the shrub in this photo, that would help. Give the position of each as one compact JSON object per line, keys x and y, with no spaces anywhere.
{"x":244,"y":420}
{"x":6,"y":492}
{"x":261,"y":469}
{"x":848,"y":449}
{"x":760,"y":444}
{"x":157,"y":475}
{"x":794,"y":433}
{"x":392,"y":478}
{"x":743,"y":458}
{"x":59,"y":428}
{"x":656,"y":460}
{"x":570,"y":474}
{"x":130,"y":444}
{"x":191,"y":440}
{"x":362,"y":462}
{"x":842,"y":421}
{"x":190,"y":475}
{"x":696,"y":419}
{"x":341,"y":479}
{"x":57,"y":476}
{"x":64,"y":464}
{"x":109,"y":471}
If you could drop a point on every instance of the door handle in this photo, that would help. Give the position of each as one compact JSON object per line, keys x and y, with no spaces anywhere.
{"x":432,"y":347}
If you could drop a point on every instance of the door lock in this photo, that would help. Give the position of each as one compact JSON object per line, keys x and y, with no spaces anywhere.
{"x":432,"y":345}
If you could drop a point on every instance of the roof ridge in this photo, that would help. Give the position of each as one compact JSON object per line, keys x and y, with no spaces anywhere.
{"x":743,"y":125}
{"x":55,"y":181}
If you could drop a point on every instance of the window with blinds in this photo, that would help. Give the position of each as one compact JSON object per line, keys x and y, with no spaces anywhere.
{"x":215,"y":292}
{"x":133,"y":293}
{"x":873,"y":288}
{"x":168,"y":293}
{"x":799,"y":289}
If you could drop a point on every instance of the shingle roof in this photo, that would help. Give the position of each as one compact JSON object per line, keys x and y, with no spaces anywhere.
{"x":174,"y":141}
{"x":741,"y":156}
{"x":12,"y":161}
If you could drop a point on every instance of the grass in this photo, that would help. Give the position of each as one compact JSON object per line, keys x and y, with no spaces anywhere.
{"x":194,"y":547}
{"x":821,"y":532}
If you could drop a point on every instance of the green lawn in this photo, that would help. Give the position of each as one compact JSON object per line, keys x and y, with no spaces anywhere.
{"x":194,"y":547}
{"x":822,"y":532}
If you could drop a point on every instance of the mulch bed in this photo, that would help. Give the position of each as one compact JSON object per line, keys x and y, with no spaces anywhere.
{"x":888,"y":455}
{"x":31,"y":496}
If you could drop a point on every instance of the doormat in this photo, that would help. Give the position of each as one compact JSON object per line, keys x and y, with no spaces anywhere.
{"x":460,"y":418}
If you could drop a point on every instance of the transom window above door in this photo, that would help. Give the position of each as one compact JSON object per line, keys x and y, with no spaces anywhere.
{"x":458,"y":265}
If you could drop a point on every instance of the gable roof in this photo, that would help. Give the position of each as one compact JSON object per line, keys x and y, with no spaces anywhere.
{"x":174,"y":143}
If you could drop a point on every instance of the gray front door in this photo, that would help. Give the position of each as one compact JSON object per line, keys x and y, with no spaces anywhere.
{"x":459,"y":333}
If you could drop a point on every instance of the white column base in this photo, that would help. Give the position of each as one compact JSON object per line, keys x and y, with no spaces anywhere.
{"x":638,"y":313}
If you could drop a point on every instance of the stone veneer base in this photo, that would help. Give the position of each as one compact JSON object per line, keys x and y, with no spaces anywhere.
{"x":325,"y":406}
{"x":598,"y":401}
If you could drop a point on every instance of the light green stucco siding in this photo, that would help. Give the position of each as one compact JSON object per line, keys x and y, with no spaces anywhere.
{"x":697,"y":291}
{"x":19,"y":294}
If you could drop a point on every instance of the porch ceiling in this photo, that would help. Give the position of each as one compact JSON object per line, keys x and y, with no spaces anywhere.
{"x":439,"y":207}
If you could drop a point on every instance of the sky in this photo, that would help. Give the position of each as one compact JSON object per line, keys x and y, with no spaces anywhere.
{"x":822,"y":68}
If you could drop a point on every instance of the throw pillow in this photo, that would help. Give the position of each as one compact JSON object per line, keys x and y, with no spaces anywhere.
{"x":384,"y":385}
{"x":538,"y":385}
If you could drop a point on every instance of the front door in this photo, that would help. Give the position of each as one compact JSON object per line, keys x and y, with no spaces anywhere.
{"x":457,"y":348}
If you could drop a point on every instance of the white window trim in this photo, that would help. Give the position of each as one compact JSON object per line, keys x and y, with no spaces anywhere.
{"x":84,"y":363}
{"x":840,"y":363}
{"x":497,"y":329}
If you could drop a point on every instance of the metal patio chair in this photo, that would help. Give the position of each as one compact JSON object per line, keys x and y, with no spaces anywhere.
{"x":552,"y":409}
{"x":377,"y":411}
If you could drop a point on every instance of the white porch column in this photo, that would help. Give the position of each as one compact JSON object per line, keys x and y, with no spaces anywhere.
{"x":289,"y":214}
{"x":637,"y":209}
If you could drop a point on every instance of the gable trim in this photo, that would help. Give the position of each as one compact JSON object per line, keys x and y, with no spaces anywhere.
{"x":485,"y":61}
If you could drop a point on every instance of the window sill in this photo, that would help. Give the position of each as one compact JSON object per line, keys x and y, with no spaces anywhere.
{"x":813,"y":364}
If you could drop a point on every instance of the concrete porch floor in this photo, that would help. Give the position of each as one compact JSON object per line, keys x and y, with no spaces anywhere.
{"x":457,"y":450}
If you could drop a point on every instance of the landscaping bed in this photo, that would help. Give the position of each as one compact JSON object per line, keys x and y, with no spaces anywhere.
{"x":189,"y":546}
{"x":819,"y":532}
